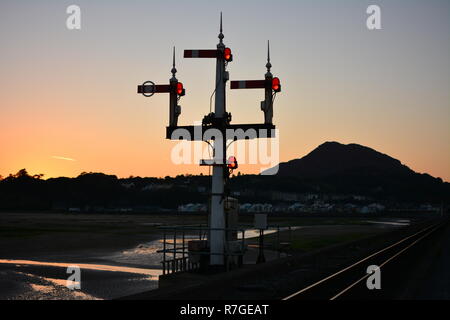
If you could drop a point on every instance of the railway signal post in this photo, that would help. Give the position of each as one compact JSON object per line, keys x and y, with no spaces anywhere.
{"x":219,"y":122}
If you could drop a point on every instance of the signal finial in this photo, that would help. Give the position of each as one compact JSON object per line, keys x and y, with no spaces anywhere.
{"x":221,"y":36}
{"x":174,"y":70}
{"x":268,"y":64}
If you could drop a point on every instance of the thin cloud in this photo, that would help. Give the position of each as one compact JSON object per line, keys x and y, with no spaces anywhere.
{"x":63,"y":158}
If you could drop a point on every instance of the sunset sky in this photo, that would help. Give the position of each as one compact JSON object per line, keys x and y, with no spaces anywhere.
{"x":69,"y":102}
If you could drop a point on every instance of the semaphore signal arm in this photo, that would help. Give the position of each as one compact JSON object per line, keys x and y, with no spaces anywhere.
{"x":270,"y":84}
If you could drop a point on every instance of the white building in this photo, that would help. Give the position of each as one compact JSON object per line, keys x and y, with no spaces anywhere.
{"x":192,"y":207}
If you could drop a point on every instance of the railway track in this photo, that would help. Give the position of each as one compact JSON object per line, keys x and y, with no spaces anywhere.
{"x":350,"y":282}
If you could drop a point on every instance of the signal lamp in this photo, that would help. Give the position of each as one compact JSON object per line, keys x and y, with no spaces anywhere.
{"x":180,"y":90}
{"x":232,"y":163}
{"x":276,"y":86}
{"x":227,"y":55}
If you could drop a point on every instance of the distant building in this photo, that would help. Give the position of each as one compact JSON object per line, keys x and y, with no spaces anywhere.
{"x":128,"y":185}
{"x":245,"y":207}
{"x":256,"y":207}
{"x":372,"y":208}
{"x":192,"y":207}
{"x":154,"y":186}
{"x":284,"y":196}
{"x":296,"y":207}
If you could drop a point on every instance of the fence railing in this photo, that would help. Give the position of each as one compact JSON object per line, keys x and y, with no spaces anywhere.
{"x":178,"y":258}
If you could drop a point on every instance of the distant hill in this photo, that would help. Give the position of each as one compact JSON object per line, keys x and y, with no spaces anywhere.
{"x":330,"y":169}
{"x":337,"y":167}
{"x":333,"y":158}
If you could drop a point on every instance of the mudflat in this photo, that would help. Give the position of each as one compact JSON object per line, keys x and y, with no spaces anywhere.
{"x":117,"y":253}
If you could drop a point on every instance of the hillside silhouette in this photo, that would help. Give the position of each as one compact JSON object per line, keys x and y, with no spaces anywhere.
{"x":333,"y":158}
{"x":336,"y":167}
{"x":330,"y":170}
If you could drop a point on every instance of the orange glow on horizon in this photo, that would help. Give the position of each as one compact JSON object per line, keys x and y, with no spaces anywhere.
{"x":69,"y":94}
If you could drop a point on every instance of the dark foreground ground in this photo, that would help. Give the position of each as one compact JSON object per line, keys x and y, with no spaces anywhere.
{"x":117,"y":254}
{"x":421,"y":272}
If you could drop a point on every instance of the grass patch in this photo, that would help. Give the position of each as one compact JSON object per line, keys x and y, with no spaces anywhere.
{"x":306,"y":244}
{"x":307,"y":221}
{"x":300,"y":242}
{"x":33,"y":231}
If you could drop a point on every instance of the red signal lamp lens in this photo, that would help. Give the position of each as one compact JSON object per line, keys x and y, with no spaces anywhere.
{"x":232,"y":163}
{"x":276,"y":86}
{"x":180,"y":89}
{"x":227,"y":54}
